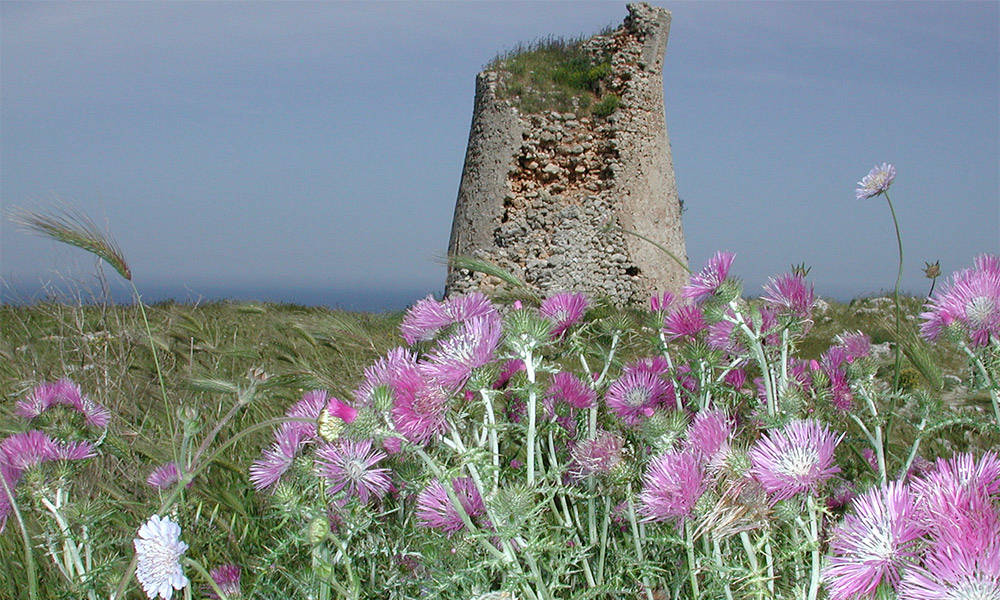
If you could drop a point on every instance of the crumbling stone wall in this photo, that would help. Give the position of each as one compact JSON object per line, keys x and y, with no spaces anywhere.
{"x":538,"y":191}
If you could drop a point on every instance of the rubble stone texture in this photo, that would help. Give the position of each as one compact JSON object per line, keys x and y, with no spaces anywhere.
{"x":538,"y":191}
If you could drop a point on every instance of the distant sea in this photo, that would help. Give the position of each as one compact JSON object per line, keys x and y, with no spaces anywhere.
{"x":358,"y":300}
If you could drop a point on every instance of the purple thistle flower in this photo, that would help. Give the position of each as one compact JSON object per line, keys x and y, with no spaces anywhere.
{"x":350,"y":465}
{"x":972,"y":300}
{"x":672,"y":485}
{"x":684,"y":322}
{"x":289,"y":439}
{"x":660,"y":303}
{"x":164,"y":476}
{"x":597,"y":455}
{"x":876,"y":182}
{"x":963,"y":561}
{"x":227,"y":577}
{"x":874,"y":543}
{"x":635,"y":395}
{"x":736,"y":378}
{"x":705,"y":283}
{"x":568,"y":388}
{"x":856,"y":344}
{"x":21,"y":451}
{"x":796,"y":458}
{"x":383,"y":372}
{"x":436,"y":511}
{"x":790,"y":293}
{"x":267,"y":470}
{"x":419,"y":408}
{"x":564,"y":310}
{"x":510,"y":367}
{"x":720,"y":337}
{"x":841,"y":495}
{"x":423,"y":321}
{"x":708,"y":436}
{"x":65,"y":392}
{"x":949,"y":490}
{"x":451,"y":362}
{"x":655,"y":365}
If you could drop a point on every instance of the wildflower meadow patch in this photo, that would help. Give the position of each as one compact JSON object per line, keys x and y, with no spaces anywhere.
{"x":708,"y":446}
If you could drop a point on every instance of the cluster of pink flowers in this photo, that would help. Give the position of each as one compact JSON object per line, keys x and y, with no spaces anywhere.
{"x":937,"y":537}
{"x":970,"y":301}
{"x":63,"y":392}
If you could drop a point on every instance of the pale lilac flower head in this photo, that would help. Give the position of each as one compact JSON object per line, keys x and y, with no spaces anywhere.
{"x":794,"y":459}
{"x":876,"y":182}
{"x":159,"y":550}
{"x":875,"y":542}
{"x":435,"y":510}
{"x":351,"y":466}
{"x":708,"y":280}
{"x":452,"y":361}
{"x":708,"y":436}
{"x":567,"y":387}
{"x":684,"y":322}
{"x":564,"y":310}
{"x":672,"y":485}
{"x":227,"y":577}
{"x":65,"y":392}
{"x":972,"y":300}
{"x":428,"y":316}
{"x":164,"y":476}
{"x":598,"y":455}
{"x":790,"y":293}
{"x":635,"y":395}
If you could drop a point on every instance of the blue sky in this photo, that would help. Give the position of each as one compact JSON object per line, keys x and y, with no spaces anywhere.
{"x":311,"y":152}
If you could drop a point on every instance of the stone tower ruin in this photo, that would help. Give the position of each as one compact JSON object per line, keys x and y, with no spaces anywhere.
{"x":540,"y":187}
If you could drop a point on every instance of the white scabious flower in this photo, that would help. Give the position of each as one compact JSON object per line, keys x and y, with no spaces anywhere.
{"x":159,"y":549}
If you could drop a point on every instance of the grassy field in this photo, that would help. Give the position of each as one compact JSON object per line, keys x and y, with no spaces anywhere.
{"x":209,"y":354}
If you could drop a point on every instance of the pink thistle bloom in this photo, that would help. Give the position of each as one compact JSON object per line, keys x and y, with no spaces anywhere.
{"x":350,"y":465}
{"x":972,"y":301}
{"x":876,"y":182}
{"x":796,"y":458}
{"x":708,"y":436}
{"x":790,"y":293}
{"x":423,"y":321}
{"x":289,"y":439}
{"x":660,"y":303}
{"x":875,"y":542}
{"x":564,"y":310}
{"x":707,"y":282}
{"x":65,"y":392}
{"x":419,"y":410}
{"x":947,"y":492}
{"x":435,"y":510}
{"x":510,"y":367}
{"x":720,"y":337}
{"x":856,"y":344}
{"x":736,"y":378}
{"x":684,"y":322}
{"x":383,"y":372}
{"x":656,"y":365}
{"x":336,"y":408}
{"x":22,"y":451}
{"x":841,"y":496}
{"x":568,"y":388}
{"x":635,"y":395}
{"x":963,"y":561}
{"x":597,"y":455}
{"x":452,"y":361}
{"x":164,"y":476}
{"x":672,"y":485}
{"x":227,"y":577}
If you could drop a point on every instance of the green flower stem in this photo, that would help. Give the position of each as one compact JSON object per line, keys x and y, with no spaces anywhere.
{"x":692,"y":569}
{"x":494,"y":444}
{"x":769,"y":561}
{"x":602,"y":553}
{"x":751,"y":553}
{"x":879,"y":441}
{"x":913,"y":449}
{"x":197,"y":566}
{"x":636,"y":539}
{"x":610,"y":359}
{"x":71,"y":553}
{"x":994,"y":397}
{"x":895,"y":293}
{"x":156,"y":361}
{"x":355,"y":592}
{"x":814,"y":542}
{"x":29,"y":558}
{"x":529,"y":367}
{"x":783,"y":382}
{"x":717,"y":552}
{"x":758,"y":352}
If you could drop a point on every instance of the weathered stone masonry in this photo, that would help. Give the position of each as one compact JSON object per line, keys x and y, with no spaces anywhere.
{"x":538,"y":190}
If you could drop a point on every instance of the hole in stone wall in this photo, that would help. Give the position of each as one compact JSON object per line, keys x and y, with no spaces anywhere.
{"x":632,"y":271}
